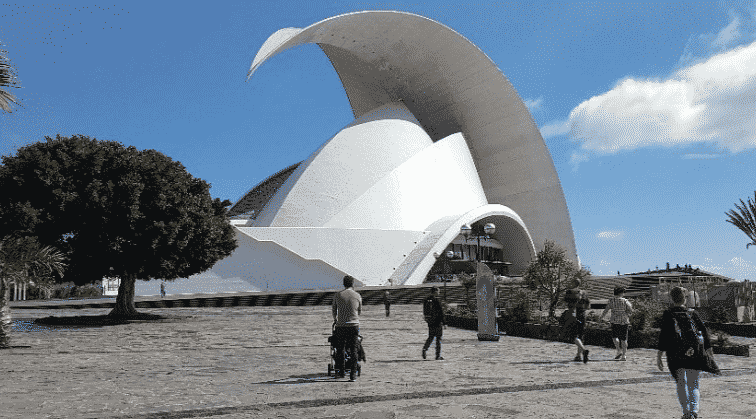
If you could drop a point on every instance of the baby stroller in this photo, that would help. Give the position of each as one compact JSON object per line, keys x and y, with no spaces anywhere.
{"x":332,"y":364}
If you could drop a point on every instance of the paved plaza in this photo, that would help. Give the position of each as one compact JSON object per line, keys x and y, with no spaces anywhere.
{"x":271,"y":362}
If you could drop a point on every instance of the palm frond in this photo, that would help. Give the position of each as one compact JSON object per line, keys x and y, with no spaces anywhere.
{"x":5,"y":101}
{"x":8,"y":78}
{"x":745,"y":218}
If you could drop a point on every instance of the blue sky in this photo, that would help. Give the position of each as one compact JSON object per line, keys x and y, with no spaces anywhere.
{"x":649,"y":110}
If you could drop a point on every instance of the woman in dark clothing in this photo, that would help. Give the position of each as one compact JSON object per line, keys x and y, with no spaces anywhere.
{"x":574,"y":319}
{"x":681,"y":367}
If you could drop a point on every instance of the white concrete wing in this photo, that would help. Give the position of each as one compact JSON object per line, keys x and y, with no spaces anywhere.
{"x":450,"y":86}
{"x":440,"y":139}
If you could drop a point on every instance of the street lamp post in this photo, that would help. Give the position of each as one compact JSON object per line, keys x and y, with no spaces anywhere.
{"x":448,"y":255}
{"x":467,"y":232}
{"x":486,"y":293}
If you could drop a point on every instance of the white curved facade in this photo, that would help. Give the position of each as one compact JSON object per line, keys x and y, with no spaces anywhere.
{"x":440,"y":139}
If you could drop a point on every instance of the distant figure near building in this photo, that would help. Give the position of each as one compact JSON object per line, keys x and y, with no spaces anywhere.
{"x":346,"y":310}
{"x":387,"y":302}
{"x":162,"y":289}
{"x":621,"y":310}
{"x":434,"y":316}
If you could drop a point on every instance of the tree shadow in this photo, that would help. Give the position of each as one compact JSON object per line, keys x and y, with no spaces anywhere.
{"x":103,"y":320}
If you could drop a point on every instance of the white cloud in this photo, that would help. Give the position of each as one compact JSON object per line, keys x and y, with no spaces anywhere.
{"x":611,"y":235}
{"x":728,"y":34}
{"x":555,"y":128}
{"x":712,"y":101}
{"x":534,"y":104}
{"x":742,"y":268}
{"x":701,"y":156}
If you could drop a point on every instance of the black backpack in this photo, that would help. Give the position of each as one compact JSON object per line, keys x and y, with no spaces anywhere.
{"x":689,"y":341}
{"x":429,"y":310}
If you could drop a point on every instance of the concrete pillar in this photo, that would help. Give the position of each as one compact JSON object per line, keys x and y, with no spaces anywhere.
{"x":24,"y":296}
{"x":15,"y":291}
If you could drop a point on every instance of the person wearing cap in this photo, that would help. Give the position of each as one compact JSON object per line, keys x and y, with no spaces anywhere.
{"x":434,"y":316}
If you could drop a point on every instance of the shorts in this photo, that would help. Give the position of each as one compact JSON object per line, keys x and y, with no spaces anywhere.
{"x":619,"y":331}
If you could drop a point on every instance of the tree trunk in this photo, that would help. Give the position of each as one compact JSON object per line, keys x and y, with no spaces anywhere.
{"x":124,"y":307}
{"x":6,"y":322}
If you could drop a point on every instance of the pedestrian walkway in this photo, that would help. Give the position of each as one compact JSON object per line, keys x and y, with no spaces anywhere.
{"x":267,"y":362}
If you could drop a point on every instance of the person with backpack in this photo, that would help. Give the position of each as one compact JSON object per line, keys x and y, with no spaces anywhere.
{"x":683,"y":337}
{"x":434,"y":316}
{"x":621,"y":310}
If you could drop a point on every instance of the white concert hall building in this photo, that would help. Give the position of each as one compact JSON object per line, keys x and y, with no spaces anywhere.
{"x":440,"y":140}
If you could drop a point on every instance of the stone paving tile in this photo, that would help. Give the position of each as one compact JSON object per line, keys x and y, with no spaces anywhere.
{"x":245,"y":362}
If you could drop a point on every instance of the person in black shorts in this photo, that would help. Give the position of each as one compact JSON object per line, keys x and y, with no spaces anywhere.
{"x":621,"y":310}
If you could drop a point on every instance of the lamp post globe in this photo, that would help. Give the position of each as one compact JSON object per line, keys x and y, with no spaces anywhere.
{"x":449,"y":254}
{"x":466,"y":231}
{"x":489,"y":229}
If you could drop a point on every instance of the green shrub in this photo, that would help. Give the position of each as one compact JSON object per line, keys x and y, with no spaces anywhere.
{"x":720,"y":338}
{"x":460,"y":311}
{"x":719,"y":313}
{"x":521,"y":310}
{"x":647,"y":313}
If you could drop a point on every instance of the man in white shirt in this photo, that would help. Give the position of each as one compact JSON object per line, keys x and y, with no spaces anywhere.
{"x":346,"y":310}
{"x":621,"y":310}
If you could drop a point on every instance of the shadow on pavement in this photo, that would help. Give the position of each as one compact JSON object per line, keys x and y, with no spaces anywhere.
{"x":394,"y":361}
{"x":102,"y":320}
{"x":300,"y":379}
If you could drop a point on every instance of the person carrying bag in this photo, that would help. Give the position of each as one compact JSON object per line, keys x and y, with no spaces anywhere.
{"x":685,"y":340}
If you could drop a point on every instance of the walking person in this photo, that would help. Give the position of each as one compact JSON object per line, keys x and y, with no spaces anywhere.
{"x":162,"y":289}
{"x":434,"y":316}
{"x":621,"y":310}
{"x":346,"y":310}
{"x":387,"y":302}
{"x":684,"y":367}
{"x":573,"y":320}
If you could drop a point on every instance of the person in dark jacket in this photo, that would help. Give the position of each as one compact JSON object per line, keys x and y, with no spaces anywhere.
{"x":387,"y":302}
{"x":685,"y":374}
{"x":434,"y":316}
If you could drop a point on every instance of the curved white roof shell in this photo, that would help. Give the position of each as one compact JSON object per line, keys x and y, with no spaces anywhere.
{"x":440,"y":139}
{"x":450,"y":86}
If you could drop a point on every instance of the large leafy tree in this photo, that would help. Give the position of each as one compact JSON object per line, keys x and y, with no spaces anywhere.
{"x":23,"y":260}
{"x":7,"y":79}
{"x":745,"y":219}
{"x":114,"y":210}
{"x":551,"y":273}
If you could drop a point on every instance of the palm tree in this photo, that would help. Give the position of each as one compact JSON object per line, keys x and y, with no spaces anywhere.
{"x":7,"y":79}
{"x":745,"y":219}
{"x":21,"y":260}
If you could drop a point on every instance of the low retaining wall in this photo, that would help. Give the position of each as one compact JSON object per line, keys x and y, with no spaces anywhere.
{"x":595,"y":336}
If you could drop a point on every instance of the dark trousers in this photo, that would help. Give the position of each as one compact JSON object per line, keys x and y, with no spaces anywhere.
{"x":434,"y":331}
{"x":388,"y":309}
{"x":346,"y":340}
